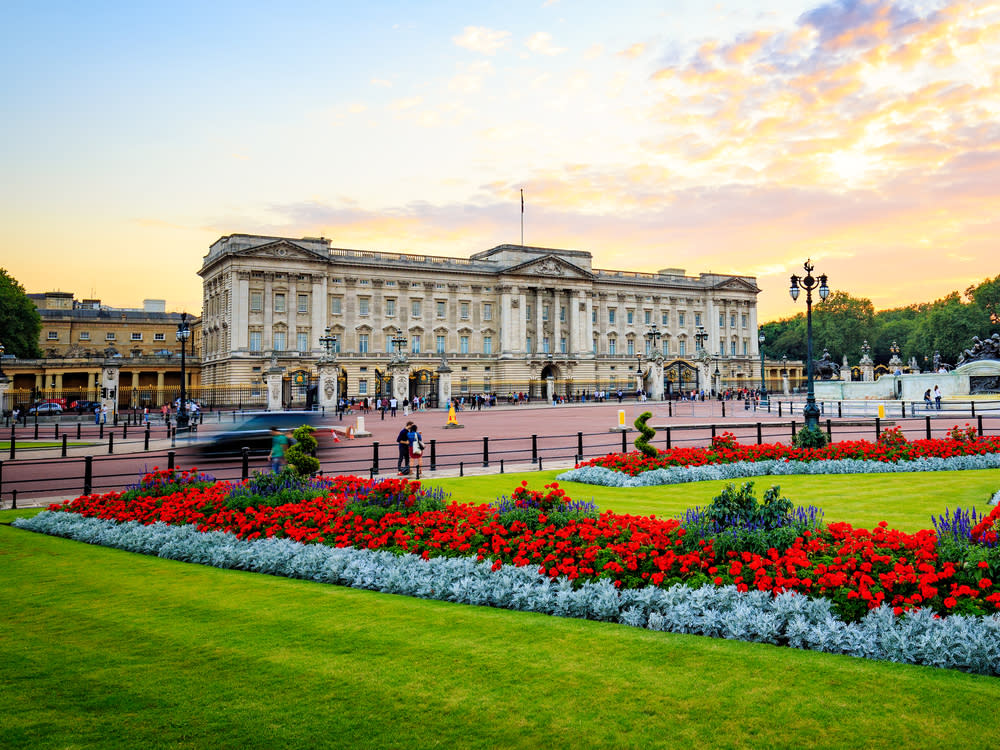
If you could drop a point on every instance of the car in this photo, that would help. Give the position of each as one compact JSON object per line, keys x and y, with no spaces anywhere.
{"x":82,"y":406}
{"x":254,"y":432}
{"x":46,"y":408}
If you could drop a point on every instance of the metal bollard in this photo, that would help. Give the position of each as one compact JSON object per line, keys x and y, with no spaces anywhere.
{"x":840,"y":409}
{"x":713,"y":432}
{"x":760,"y":436}
{"x":534,"y":448}
{"x":88,"y":475}
{"x":125,"y":431}
{"x":878,"y":428}
{"x":486,"y":451}
{"x":171,"y":456}
{"x":624,"y":443}
{"x":111,"y":442}
{"x":501,"y":466}
{"x":928,"y":427}
{"x":245,"y":472}
{"x":461,"y":468}
{"x":433,"y":455}
{"x":145,"y":444}
{"x":667,"y":431}
{"x":57,"y":432}
{"x":979,"y":425}
{"x":64,"y":445}
{"x":829,"y":430}
{"x":13,"y":499}
{"x":375,"y":457}
{"x":793,"y":429}
{"x":579,"y":445}
{"x":539,"y":464}
{"x":77,"y":430}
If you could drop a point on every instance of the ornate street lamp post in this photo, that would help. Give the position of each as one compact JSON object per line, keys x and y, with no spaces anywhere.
{"x":328,"y":342}
{"x":811,"y":411}
{"x":183,"y":334}
{"x":653,"y":335}
{"x":398,"y":342}
{"x":2,"y":350}
{"x":763,"y":383}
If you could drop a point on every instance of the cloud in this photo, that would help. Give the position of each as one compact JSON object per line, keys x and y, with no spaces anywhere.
{"x":381,"y":82}
{"x":541,"y":43}
{"x":482,"y":40}
{"x":633,"y":52}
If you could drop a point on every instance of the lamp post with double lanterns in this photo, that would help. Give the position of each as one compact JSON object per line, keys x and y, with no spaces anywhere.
{"x":700,"y":337}
{"x":811,"y":410}
{"x":763,"y":383}
{"x":328,"y":342}
{"x":639,"y":384}
{"x":183,"y":334}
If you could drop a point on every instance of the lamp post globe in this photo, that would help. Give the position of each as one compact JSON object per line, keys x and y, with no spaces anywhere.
{"x":811,"y":412}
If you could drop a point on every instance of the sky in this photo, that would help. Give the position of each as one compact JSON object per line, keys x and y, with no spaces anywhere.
{"x":728,"y":137}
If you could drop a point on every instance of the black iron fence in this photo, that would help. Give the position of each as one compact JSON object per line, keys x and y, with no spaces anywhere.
{"x":119,"y":455}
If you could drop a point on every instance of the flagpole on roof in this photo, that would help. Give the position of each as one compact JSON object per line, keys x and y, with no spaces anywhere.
{"x":522,"y":217}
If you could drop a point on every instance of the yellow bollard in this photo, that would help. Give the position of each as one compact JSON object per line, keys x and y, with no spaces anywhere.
{"x":621,"y":419}
{"x":881,"y":411}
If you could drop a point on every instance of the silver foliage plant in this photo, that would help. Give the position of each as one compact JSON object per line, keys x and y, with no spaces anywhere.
{"x":743,"y":469}
{"x":970,"y":644}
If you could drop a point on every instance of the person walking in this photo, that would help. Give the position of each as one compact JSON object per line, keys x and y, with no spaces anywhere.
{"x":416,"y":446}
{"x":279,"y":444}
{"x":403,"y":443}
{"x":937,"y":398}
{"x":927,"y":399}
{"x":393,"y":405}
{"x":97,"y":415}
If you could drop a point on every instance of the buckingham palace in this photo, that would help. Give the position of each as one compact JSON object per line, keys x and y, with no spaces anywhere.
{"x":511,"y":319}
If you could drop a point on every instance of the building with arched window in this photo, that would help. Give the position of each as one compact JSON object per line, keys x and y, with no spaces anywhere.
{"x":506,"y":319}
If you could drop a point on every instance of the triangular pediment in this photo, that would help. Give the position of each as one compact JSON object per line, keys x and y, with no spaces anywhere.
{"x":551,"y":266}
{"x":283,"y":249}
{"x":736,"y":285}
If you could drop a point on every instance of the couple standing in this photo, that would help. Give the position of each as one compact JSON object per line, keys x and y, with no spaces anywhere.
{"x":411,"y":449}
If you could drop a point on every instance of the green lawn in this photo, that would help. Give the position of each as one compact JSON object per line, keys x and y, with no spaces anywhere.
{"x":905,"y":501}
{"x":103,"y":648}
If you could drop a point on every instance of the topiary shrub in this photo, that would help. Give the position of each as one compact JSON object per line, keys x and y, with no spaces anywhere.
{"x":646,"y":433}
{"x":809,"y":437}
{"x":302,"y":455}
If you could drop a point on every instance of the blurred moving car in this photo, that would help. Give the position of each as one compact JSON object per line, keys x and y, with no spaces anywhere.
{"x":46,"y":408}
{"x":84,"y":407}
{"x":254,"y":432}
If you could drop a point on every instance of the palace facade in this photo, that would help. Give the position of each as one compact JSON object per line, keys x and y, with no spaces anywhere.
{"x":504,"y":320}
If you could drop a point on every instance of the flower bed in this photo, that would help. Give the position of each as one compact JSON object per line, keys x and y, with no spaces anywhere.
{"x":769,"y":548}
{"x":725,"y":458}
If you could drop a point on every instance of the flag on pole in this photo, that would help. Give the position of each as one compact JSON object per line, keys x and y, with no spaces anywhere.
{"x":522,"y":200}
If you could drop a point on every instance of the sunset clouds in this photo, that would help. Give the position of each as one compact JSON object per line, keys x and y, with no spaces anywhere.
{"x":862,"y":133}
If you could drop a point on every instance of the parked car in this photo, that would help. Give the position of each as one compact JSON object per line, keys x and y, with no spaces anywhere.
{"x":254,"y":432}
{"x":84,"y":407}
{"x":46,"y":408}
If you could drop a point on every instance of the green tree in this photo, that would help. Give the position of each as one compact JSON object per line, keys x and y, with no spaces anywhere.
{"x":948,"y":328}
{"x":841,"y":323}
{"x":20,"y":323}
{"x":987,"y":297}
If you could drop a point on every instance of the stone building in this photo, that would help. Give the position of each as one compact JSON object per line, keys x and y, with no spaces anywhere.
{"x":77,"y":337}
{"x":509,"y":319}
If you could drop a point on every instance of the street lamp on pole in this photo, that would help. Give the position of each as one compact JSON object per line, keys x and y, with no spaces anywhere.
{"x":328,"y":342}
{"x":653,"y":335}
{"x":398,"y":342}
{"x":811,"y":411}
{"x":183,"y":334}
{"x":763,"y":383}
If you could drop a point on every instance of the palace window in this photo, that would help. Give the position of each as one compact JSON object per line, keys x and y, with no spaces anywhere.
{"x":680,"y":319}
{"x":415,"y":308}
{"x":363,"y":304}
{"x":390,"y":307}
{"x":415,"y":343}
{"x":630,"y":346}
{"x":335,"y":303}
{"x":85,"y":335}
{"x":681,"y":348}
{"x":464,"y":310}
{"x":362,"y":343}
{"x":302,"y":303}
{"x":256,"y":301}
{"x":487,"y":344}
{"x":440,"y":309}
{"x":156,"y":336}
{"x":439,"y":341}
{"x":488,"y":311}
{"x":53,"y":335}
{"x":612,"y":345}
{"x":463,"y":345}
{"x":611,"y":316}
{"x":302,"y":341}
{"x":279,"y":341}
{"x":279,"y":303}
{"x":630,"y":317}
{"x":135,"y":336}
{"x":255,"y":341}
{"x":562,"y":344}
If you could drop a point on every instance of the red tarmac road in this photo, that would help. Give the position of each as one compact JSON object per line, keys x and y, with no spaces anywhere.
{"x":41,"y":476}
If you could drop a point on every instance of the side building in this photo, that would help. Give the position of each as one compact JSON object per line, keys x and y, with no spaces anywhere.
{"x":506,"y":320}
{"x":78,"y":336}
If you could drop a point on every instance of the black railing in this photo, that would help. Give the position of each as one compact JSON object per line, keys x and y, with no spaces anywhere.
{"x":104,"y":471}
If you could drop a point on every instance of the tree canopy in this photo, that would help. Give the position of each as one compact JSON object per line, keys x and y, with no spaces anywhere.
{"x":842,"y":323}
{"x":20,"y":322}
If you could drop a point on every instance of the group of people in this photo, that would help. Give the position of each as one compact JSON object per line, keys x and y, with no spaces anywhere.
{"x":411,"y":449}
{"x":935,"y":397}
